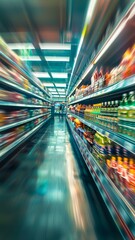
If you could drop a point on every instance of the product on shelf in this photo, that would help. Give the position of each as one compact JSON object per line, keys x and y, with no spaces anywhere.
{"x":11,"y":96}
{"x":116,"y":115}
{"x":116,"y":161}
{"x":103,"y":77}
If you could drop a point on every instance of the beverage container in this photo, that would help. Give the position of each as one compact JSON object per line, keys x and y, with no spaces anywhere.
{"x":131,"y":105}
{"x":123,"y":108}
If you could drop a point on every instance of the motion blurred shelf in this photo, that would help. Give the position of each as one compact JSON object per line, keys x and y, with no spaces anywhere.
{"x":123,"y":141}
{"x":13,"y":86}
{"x":12,"y":125}
{"x":22,"y":71}
{"x":10,"y":148}
{"x":124,"y":217}
{"x":115,"y":89}
{"x":21,"y":105}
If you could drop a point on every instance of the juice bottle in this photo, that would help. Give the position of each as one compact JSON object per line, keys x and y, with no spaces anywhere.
{"x":131,"y":103}
{"x":131,"y":175}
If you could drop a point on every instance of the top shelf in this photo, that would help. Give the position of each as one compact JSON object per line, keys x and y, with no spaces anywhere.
{"x":21,"y":71}
{"x":115,"y":89}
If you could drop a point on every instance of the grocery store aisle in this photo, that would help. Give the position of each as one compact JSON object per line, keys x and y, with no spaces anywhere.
{"x":47,"y":194}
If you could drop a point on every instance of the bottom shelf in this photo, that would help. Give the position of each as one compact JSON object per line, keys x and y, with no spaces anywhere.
{"x":10,"y":148}
{"x":122,"y":213}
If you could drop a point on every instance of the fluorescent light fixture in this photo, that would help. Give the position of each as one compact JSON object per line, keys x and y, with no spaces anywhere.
{"x":51,"y":89}
{"x":60,"y":84}
{"x":56,"y":95}
{"x":61,"y":90}
{"x":41,"y":74}
{"x":48,"y":84}
{"x":57,"y":59}
{"x":16,"y":46}
{"x":59,"y":75}
{"x":55,"y":46}
{"x":30,"y":58}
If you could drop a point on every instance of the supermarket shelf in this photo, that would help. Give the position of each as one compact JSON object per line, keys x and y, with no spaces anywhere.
{"x":12,"y":125}
{"x":12,"y":104}
{"x":9,"y":149}
{"x":121,"y":211}
{"x":21,"y":71}
{"x":117,"y":88}
{"x":11,"y":85}
{"x":122,"y":140}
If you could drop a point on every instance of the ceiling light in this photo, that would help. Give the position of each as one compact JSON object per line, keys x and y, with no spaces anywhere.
{"x":61,"y":90}
{"x":41,"y":74}
{"x":56,"y":59}
{"x":48,"y":84}
{"x":56,"y":95}
{"x":55,"y":46}
{"x":51,"y":89}
{"x":60,"y":84}
{"x":53,"y":93}
{"x":16,"y":46}
{"x":30,"y":58}
{"x":59,"y":75}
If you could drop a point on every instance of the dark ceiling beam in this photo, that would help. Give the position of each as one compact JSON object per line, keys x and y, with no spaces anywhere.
{"x":36,"y":39}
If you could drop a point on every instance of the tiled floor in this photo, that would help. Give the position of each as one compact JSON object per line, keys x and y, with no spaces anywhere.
{"x":47,"y":192}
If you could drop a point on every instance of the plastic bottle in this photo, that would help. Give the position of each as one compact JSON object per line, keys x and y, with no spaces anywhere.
{"x":123,"y":108}
{"x":131,"y":105}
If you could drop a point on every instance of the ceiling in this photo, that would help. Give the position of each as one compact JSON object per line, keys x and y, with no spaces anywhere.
{"x":52,"y":29}
{"x":52,"y":36}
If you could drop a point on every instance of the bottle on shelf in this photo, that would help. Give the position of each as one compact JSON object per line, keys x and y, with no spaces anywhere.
{"x":123,"y":108}
{"x":131,"y":103}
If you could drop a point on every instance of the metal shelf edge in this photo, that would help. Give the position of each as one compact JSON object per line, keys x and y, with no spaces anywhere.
{"x":7,"y":150}
{"x":124,"y":142}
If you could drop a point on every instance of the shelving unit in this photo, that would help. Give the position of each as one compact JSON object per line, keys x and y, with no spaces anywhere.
{"x":16,"y":124}
{"x":109,"y":54}
{"x":124,"y":216}
{"x":10,"y":148}
{"x":21,"y":105}
{"x":122,"y":140}
{"x":118,"y":88}
{"x":23,"y":72}
{"x":11,"y":85}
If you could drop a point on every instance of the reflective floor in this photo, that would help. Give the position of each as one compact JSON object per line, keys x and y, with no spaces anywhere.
{"x":47,"y":193}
